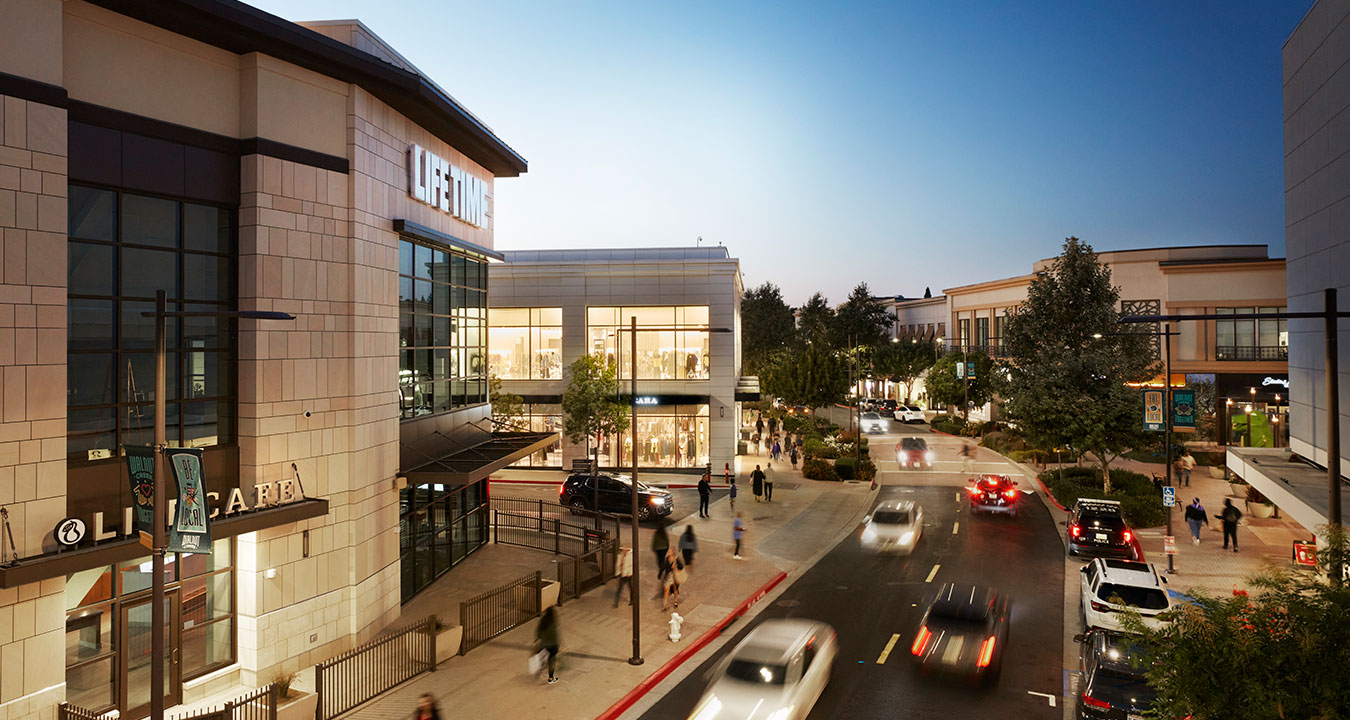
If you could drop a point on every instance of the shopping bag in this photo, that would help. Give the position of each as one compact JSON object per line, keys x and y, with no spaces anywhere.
{"x":538,"y":662}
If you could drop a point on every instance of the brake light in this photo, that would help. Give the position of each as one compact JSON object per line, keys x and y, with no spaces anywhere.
{"x":921,"y":642}
{"x":562,"y":489}
{"x":974,"y":490}
{"x":1093,"y":702}
{"x":1075,"y":531}
{"x":1128,"y":536}
{"x":1100,"y":607}
{"x":986,"y":653}
{"x":1010,"y":493}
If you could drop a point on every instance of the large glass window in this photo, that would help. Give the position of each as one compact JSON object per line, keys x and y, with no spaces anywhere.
{"x":122,"y":248}
{"x":672,"y":341}
{"x":982,"y":332}
{"x":668,"y":436}
{"x":542,"y":417}
{"x":439,"y":525}
{"x":525,"y":343}
{"x":442,"y":297}
{"x":1251,"y":339}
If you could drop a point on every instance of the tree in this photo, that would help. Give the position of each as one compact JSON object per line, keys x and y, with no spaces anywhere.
{"x":815,"y":320}
{"x":1071,"y":368}
{"x":589,"y":404}
{"x":902,"y":362}
{"x":1277,"y":652}
{"x":927,"y":292}
{"x":508,"y":409}
{"x":945,"y":388}
{"x":813,"y":376}
{"x":767,"y":327}
{"x":861,"y":321}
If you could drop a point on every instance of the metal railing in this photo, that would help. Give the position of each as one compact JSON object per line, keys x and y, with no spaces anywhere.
{"x":496,"y":611}
{"x":364,"y":672}
{"x":577,"y":575}
{"x":258,"y":704}
{"x":547,"y":525}
{"x":1251,"y":352}
{"x":66,"y":711}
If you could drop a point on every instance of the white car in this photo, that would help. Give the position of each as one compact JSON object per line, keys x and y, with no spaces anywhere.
{"x":893,"y":527}
{"x":872,"y":422}
{"x":910,"y":414}
{"x":1109,"y":586}
{"x":776,"y":673}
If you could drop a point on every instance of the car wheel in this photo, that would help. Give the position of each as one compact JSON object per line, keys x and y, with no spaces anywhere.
{"x":644,"y":513}
{"x":577,"y":506}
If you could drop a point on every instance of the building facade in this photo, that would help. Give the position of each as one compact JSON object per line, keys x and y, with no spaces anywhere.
{"x":237,"y":162}
{"x":551,"y":307}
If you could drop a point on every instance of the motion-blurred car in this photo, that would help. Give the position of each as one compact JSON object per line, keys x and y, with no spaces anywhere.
{"x":776,"y":673}
{"x":994,"y":494}
{"x":1096,"y":527}
{"x":872,"y":423}
{"x":798,"y":410}
{"x":913,"y":452}
{"x":615,"y":495}
{"x":1113,"y":686}
{"x":894,"y":527}
{"x":1110,"y":586}
{"x":910,"y":414}
{"x":964,"y":632}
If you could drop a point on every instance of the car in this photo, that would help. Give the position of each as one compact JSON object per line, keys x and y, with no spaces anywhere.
{"x":1109,"y":586}
{"x":1096,"y":527}
{"x":910,"y":414}
{"x":798,"y":410}
{"x":872,"y":423}
{"x":894,"y":527}
{"x":1113,"y":685}
{"x":885,"y":406}
{"x":964,"y":631}
{"x":994,"y":494}
{"x":912,"y":452}
{"x":776,"y":673}
{"x":615,"y":496}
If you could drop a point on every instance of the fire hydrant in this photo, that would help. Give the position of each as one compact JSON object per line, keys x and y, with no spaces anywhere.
{"x":675,"y":621}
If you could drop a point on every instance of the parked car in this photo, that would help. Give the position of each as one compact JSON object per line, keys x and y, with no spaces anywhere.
{"x":615,"y":496}
{"x":894,"y":527}
{"x":994,"y":494}
{"x":1114,"y":686}
{"x":778,"y":671}
{"x":964,"y":631}
{"x":886,"y":406}
{"x":1109,"y":586}
{"x":1097,"y":528}
{"x":872,"y":423}
{"x":910,"y":414}
{"x":912,"y":452}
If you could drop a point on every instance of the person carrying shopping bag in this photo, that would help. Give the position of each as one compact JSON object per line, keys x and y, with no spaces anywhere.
{"x":546,"y":637}
{"x":623,"y":570}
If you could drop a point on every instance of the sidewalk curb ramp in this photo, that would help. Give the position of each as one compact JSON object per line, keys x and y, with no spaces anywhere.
{"x":688,"y":651}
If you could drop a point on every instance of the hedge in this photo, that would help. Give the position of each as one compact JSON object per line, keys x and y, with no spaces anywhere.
{"x":950,"y":424}
{"x":814,"y":447}
{"x":1140,"y":503}
{"x":818,"y":469}
{"x":846,"y":467}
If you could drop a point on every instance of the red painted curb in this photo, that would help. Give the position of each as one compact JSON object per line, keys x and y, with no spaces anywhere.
{"x":524,"y":482}
{"x":661,"y":673}
{"x":1046,"y":490}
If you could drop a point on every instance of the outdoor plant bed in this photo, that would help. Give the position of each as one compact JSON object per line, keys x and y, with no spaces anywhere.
{"x":297,"y":705}
{"x":1140,"y":502}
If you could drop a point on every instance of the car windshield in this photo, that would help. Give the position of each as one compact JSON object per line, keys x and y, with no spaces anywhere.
{"x":891,"y":517}
{"x":642,"y":486}
{"x":757,"y":672}
{"x":913,"y":444}
{"x":871,"y":416}
{"x":1121,"y":689}
{"x":1146,"y":598}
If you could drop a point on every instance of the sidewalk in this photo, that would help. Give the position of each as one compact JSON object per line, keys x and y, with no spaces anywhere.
{"x":492,"y":681}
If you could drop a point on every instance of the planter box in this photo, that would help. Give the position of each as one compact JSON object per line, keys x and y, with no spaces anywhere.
{"x":447,"y":642}
{"x":1260,"y":510}
{"x":549,"y":594}
{"x":299,"y":706}
{"x":1216,"y":471}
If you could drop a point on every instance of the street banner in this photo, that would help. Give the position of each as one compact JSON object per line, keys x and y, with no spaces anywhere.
{"x":970,"y":370}
{"x":1170,"y":544}
{"x":1169,"y":496}
{"x":1153,"y":410}
{"x":190,"y":531}
{"x":1183,"y":409}
{"x":960,"y":371}
{"x":1305,"y":553}
{"x":141,"y":471}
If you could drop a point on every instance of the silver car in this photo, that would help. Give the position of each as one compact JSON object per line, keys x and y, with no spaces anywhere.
{"x":894,"y":527}
{"x":776,"y":673}
{"x":872,"y":423}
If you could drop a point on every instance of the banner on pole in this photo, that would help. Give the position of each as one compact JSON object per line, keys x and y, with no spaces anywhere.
{"x":141,"y":472}
{"x":960,"y":371}
{"x":190,"y":531}
{"x":1153,"y":410}
{"x":1183,"y":409}
{"x":970,"y":370}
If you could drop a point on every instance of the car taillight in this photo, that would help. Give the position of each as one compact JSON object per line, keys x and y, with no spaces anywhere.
{"x":1093,"y":702}
{"x":1075,"y":531}
{"x":562,"y":489}
{"x":921,"y":642}
{"x":1010,"y":493}
{"x":1128,"y":536}
{"x":986,"y":653}
{"x":975,"y":491}
{"x":1100,"y":607}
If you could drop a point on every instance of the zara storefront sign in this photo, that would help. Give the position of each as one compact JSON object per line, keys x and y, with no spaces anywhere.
{"x":646,"y":400}
{"x":441,"y":185}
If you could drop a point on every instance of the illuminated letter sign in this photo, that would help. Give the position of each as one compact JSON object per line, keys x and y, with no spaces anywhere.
{"x":445,"y":187}
{"x":646,"y":400}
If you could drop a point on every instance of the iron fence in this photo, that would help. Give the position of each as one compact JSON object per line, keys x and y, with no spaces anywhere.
{"x":66,"y":711}
{"x":496,"y":611}
{"x":577,"y":575}
{"x":545,"y":525}
{"x":257,"y":704}
{"x":364,"y":672}
{"x":1251,"y":352}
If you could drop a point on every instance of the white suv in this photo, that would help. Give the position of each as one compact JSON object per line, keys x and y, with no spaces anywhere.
{"x":909,"y":414}
{"x":1109,"y":586}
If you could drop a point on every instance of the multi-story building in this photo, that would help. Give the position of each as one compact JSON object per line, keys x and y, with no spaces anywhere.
{"x":237,"y":162}
{"x":550,"y":307}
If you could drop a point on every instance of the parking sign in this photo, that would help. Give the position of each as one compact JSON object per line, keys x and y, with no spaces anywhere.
{"x":1169,"y":496}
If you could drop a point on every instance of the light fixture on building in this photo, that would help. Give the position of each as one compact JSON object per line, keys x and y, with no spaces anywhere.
{"x":270,"y":573}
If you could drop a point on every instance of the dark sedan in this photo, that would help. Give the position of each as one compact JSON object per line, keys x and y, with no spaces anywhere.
{"x":1115,"y":686}
{"x":994,"y":494}
{"x":614,"y":494}
{"x":964,"y":632}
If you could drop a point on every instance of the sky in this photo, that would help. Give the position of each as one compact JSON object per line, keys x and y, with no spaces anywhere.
{"x":902,"y":144}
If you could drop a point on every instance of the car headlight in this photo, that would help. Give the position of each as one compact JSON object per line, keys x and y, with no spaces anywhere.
{"x":708,"y":710}
{"x":658,"y":500}
{"x":782,"y":713}
{"x":907,"y":538}
{"x":929,"y":456}
{"x":868,"y":534}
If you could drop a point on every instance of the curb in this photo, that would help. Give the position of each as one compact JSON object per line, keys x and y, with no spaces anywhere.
{"x":688,"y":651}
{"x":523,"y":482}
{"x":1046,"y":490}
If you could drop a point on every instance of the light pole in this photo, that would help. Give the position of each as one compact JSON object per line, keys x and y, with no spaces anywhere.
{"x":633,"y":591}
{"x":158,"y":518}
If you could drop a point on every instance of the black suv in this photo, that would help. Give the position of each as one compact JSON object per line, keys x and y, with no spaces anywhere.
{"x":615,"y":496}
{"x":994,"y":494}
{"x":1096,"y":528}
{"x":1113,"y":684}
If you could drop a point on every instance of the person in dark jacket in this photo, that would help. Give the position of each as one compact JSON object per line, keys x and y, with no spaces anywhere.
{"x":1229,"y":517}
{"x":704,"y":493}
{"x":757,"y":482}
{"x":688,"y":544}
{"x":1195,"y":515}
{"x":660,"y":544}
{"x":426,"y":708}
{"x":546,"y":634}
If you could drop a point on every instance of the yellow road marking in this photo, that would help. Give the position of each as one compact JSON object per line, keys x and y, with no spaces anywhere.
{"x":886,"y":652}
{"x":955,"y":527}
{"x":932,"y":574}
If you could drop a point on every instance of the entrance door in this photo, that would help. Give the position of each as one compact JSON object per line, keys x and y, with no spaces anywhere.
{"x":136,"y":657}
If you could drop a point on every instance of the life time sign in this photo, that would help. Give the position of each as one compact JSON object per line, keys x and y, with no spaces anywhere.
{"x":446,"y":187}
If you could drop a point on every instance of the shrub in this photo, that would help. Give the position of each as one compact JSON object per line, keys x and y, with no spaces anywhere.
{"x":818,"y":469}
{"x":999,"y":441}
{"x":867,"y":470}
{"x":1140,"y":503}
{"x":1029,"y":456}
{"x":814,"y":447}
{"x":950,"y":424}
{"x":846,"y":468}
{"x":1141,"y":511}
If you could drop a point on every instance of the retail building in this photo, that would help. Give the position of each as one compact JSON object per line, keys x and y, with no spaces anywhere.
{"x":238,"y":162}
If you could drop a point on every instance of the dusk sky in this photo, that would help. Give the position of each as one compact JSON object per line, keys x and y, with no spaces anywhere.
{"x":904,"y":144}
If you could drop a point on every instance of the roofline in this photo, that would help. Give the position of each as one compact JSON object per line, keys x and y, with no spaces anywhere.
{"x":1299,"y":25}
{"x":242,"y":29}
{"x":1172,"y":247}
{"x":992,"y":284}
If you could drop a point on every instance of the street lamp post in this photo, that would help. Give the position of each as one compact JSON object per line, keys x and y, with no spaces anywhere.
{"x":636,"y":659}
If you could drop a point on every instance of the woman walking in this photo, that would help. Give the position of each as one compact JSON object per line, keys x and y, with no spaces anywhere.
{"x":688,"y":544}
{"x":426,"y":708}
{"x":1195,"y":514}
{"x":737,"y":532}
{"x":660,"y":544}
{"x":546,"y":635}
{"x":677,"y":575}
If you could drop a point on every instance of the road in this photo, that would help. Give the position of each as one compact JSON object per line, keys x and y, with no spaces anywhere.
{"x":870,"y":598}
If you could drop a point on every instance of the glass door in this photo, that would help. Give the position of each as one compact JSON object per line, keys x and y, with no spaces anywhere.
{"x":137,"y":659}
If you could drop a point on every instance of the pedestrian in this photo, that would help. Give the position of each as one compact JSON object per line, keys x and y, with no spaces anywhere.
{"x":1195,"y":515}
{"x":967,"y":464}
{"x":688,"y":545}
{"x":427,"y":708}
{"x":671,"y":588}
{"x":726,"y":472}
{"x":737,"y":532}
{"x":623,"y":569}
{"x":704,"y":493}
{"x":759,"y":424}
{"x":731,"y":495}
{"x":546,"y":635}
{"x":777,"y":450}
{"x":1187,"y":465}
{"x":756,"y":443}
{"x":773,"y":425}
{"x":1229,"y":518}
{"x":660,"y":544}
{"x":768,"y":483}
{"x":792,"y":455}
{"x":757,"y":483}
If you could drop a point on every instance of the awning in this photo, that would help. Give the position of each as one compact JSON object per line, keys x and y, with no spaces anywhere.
{"x":747,"y":388}
{"x":471,"y":463}
{"x":1297,"y":487}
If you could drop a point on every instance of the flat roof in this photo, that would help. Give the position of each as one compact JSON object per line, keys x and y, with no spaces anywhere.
{"x":1295,"y":485}
{"x":707,"y":252}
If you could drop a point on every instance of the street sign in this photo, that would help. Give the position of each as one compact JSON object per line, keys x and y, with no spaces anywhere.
{"x":1153,"y":410}
{"x":1169,"y":545}
{"x":1183,"y":409}
{"x":1169,"y":496}
{"x":1305,"y":553}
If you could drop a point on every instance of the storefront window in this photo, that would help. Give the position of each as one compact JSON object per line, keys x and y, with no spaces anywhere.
{"x":1251,"y":339}
{"x":525,"y":343}
{"x":542,"y":417}
{"x":672,"y":341}
{"x":442,"y":330}
{"x":673,"y":436}
{"x":439,"y":525}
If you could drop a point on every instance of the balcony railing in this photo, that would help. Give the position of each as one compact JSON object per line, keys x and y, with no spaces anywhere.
{"x":1251,"y":352}
{"x":990,"y":350}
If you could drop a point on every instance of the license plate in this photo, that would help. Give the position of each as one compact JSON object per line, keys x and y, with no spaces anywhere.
{"x":1101,"y":537}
